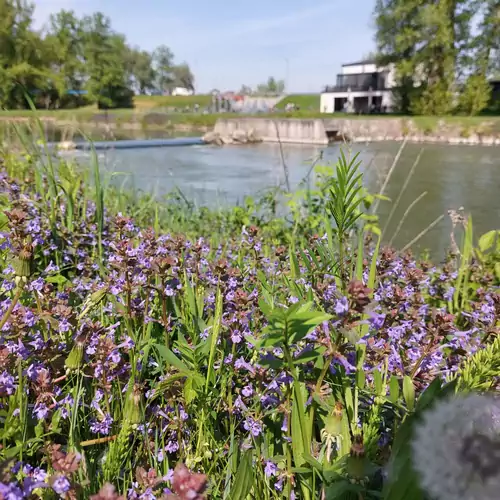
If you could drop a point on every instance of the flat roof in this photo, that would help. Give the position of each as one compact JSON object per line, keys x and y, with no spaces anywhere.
{"x":359,"y":63}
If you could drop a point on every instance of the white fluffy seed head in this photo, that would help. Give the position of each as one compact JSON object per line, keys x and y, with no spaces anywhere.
{"x":456,"y":449}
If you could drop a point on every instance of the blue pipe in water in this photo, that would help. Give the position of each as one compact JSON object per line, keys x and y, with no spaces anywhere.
{"x":138,"y":144}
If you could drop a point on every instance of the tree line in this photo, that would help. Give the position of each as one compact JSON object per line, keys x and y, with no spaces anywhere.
{"x":444,"y":52}
{"x":74,"y":60}
{"x":271,"y":87}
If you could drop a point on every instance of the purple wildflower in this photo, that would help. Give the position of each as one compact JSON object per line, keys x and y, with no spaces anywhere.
{"x":270,"y":469}
{"x":7,"y":384}
{"x":61,"y":485}
{"x":341,"y":306}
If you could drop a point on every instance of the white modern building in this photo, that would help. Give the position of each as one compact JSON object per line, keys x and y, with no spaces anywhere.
{"x":362,"y":87}
{"x":182,"y":91}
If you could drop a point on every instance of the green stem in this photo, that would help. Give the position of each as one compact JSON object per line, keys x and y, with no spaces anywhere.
{"x":15,"y":300}
{"x":317,"y":389}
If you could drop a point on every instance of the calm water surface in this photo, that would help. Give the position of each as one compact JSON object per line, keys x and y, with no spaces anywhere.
{"x":452,"y":177}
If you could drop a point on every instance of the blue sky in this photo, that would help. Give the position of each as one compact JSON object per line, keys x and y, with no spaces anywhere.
{"x":230,"y":43}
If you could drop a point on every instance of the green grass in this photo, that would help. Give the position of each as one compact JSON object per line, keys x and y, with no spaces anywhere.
{"x":304,"y":101}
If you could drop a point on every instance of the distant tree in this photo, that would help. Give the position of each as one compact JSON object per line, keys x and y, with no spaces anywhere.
{"x":65,"y":54}
{"x":22,"y":51}
{"x":182,"y":76}
{"x":104,"y":53}
{"x":245,"y":90}
{"x":140,"y":70}
{"x":272,"y":86}
{"x":280,"y":86}
{"x":164,"y":63}
{"x":71,"y":55}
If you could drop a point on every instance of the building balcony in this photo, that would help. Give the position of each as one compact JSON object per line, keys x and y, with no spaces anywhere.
{"x":359,"y":82}
{"x":354,"y":88}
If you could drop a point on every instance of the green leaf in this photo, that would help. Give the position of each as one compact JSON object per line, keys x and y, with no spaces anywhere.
{"x":310,"y":355}
{"x":12,"y":452}
{"x":497,"y":270}
{"x":487,"y":240}
{"x":312,"y":462}
{"x":302,"y":323}
{"x":430,"y":393}
{"x":409,"y":392}
{"x":297,"y":435}
{"x":189,"y":390}
{"x":377,"y":380}
{"x":340,"y":490}
{"x":243,"y":481}
{"x":170,"y":358}
{"x":394,"y":389}
{"x":58,"y":279}
{"x":39,"y":429}
{"x":271,"y":362}
{"x":294,"y":264}
{"x":360,"y":378}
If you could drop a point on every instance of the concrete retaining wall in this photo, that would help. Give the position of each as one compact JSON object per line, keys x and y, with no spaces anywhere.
{"x":374,"y":128}
{"x":319,"y":131}
{"x":288,"y":130}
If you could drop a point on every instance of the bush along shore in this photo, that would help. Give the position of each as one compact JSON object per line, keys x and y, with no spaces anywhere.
{"x":156,"y":350}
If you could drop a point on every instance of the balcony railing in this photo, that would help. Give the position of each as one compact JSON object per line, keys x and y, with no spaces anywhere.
{"x":352,"y":88}
{"x":361,"y":82}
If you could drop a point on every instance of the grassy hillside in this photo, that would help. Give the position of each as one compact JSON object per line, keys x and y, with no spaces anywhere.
{"x":146,"y":102}
{"x":304,"y":101}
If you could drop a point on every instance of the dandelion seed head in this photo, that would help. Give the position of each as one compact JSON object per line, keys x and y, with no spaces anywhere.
{"x":456,"y":449}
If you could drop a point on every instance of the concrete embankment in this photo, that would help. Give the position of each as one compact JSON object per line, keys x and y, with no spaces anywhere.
{"x":286,"y":130}
{"x":323,"y":131}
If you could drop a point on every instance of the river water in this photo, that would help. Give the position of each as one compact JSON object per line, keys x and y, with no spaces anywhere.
{"x":451,"y":176}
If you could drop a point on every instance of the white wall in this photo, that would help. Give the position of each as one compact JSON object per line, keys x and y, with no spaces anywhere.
{"x":182,"y":91}
{"x":327,"y":100}
{"x":390,"y":76}
{"x":327,"y":103}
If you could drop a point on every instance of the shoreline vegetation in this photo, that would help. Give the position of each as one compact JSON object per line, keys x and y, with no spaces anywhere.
{"x":484,"y":130}
{"x":155,"y":349}
{"x":174,"y":114}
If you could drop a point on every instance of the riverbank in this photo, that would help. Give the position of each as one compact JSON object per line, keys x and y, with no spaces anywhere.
{"x":292,"y":127}
{"x":322,"y":131}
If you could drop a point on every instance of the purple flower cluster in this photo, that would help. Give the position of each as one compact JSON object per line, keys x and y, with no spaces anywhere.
{"x":169,"y":338}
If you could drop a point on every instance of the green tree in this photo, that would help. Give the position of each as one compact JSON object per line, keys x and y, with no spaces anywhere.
{"x":398,"y":31}
{"x":104,"y":53}
{"x":482,"y":57}
{"x":475,"y":95}
{"x":76,"y":54}
{"x":22,"y":52}
{"x":164,"y":62}
{"x":65,"y":54}
{"x":426,"y":41}
{"x":140,"y":70}
{"x":272,"y":86}
{"x":245,"y":90}
{"x":182,"y":76}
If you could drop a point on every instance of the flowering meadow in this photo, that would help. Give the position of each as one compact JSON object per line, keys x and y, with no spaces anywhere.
{"x":146,"y":353}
